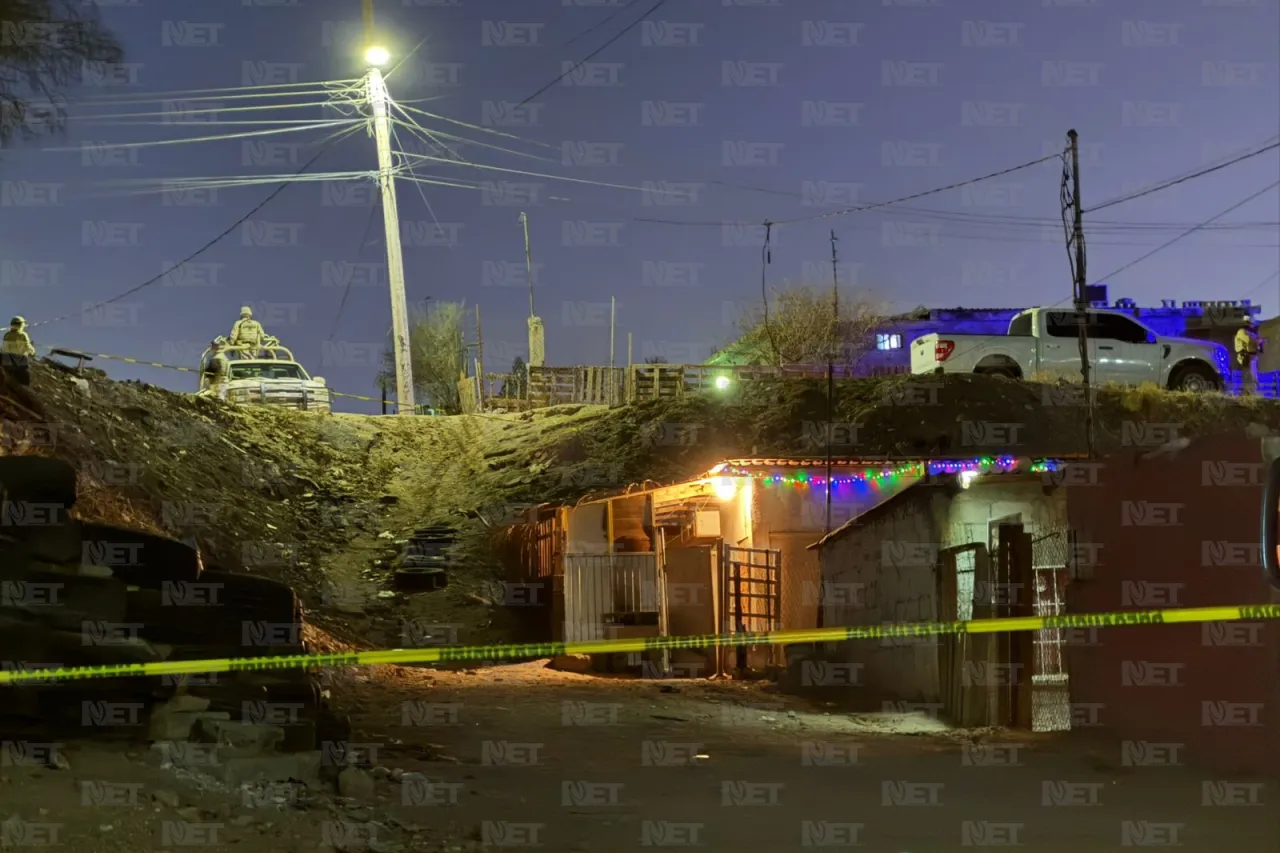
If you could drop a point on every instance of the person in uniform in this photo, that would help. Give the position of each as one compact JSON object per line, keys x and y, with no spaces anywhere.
{"x":216,"y":369}
{"x":248,"y":333}
{"x":1247,"y":346}
{"x":16,"y":350}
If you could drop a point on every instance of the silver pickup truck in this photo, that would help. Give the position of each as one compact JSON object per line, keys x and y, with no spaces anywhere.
{"x":1044,"y":343}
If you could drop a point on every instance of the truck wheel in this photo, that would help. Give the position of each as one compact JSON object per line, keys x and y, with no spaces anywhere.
{"x":1195,"y":378}
{"x":1003,"y":372}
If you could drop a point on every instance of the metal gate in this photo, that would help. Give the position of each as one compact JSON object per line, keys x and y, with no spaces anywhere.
{"x":752,"y":592}
{"x":608,"y":589}
{"x":1051,"y":697}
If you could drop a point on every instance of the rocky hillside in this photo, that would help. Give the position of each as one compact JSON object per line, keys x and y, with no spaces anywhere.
{"x":319,"y":501}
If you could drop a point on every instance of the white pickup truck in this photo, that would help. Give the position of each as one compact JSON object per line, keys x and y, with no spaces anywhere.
{"x":1045,"y":342}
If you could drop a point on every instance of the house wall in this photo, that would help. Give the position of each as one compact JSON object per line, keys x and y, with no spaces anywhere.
{"x":586,"y":529}
{"x":972,"y":510}
{"x":885,"y":570}
{"x":863,"y":590}
{"x":1178,"y":532}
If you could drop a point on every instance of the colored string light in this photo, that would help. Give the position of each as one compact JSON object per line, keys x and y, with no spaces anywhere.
{"x":883,"y":476}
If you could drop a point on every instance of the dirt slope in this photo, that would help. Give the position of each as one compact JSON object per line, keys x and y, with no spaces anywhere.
{"x":319,"y":502}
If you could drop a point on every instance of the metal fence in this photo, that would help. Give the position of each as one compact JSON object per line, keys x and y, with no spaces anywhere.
{"x":608,"y":589}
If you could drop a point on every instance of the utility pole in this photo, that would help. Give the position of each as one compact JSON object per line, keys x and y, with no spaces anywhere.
{"x":1080,"y":280}
{"x":480,"y":383}
{"x":528,"y":259}
{"x":831,"y":359}
{"x":379,"y":100}
{"x":537,"y":333}
{"x":613,"y":324}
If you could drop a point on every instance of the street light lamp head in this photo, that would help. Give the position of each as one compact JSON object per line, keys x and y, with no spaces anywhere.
{"x":377,"y":56}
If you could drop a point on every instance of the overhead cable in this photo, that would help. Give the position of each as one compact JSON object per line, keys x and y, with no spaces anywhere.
{"x":1182,"y":180}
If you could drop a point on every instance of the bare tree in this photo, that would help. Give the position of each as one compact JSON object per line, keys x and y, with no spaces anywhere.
{"x":46,"y":46}
{"x":437,"y":355}
{"x":801,"y":327}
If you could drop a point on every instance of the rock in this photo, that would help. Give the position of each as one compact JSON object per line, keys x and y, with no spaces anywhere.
{"x":355,"y":783}
{"x":386,"y":534}
{"x":571,"y":663}
{"x":168,"y":725}
{"x":380,"y":772}
{"x":254,"y":736}
{"x":165,"y":798}
{"x":300,"y":767}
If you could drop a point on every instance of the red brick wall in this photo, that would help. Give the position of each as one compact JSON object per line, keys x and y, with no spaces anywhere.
{"x":1210,"y":507}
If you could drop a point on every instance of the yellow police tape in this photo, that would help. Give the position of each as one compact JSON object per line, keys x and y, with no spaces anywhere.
{"x":1248,"y":613}
{"x":128,"y":360}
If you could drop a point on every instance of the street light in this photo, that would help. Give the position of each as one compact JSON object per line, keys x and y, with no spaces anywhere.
{"x":377,"y":56}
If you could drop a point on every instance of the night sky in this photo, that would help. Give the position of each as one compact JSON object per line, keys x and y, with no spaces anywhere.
{"x":742,"y":110}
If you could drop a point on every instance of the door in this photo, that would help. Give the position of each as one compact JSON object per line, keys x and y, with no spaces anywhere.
{"x":1127,"y":352}
{"x":1059,"y":345}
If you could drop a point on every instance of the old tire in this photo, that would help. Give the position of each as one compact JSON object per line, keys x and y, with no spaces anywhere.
{"x":58,"y":543}
{"x":63,"y":602}
{"x":1195,"y":378}
{"x":140,"y":559}
{"x":38,"y":479}
{"x":239,"y":616}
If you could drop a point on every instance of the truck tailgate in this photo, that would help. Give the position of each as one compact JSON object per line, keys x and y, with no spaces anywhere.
{"x":924,"y":357}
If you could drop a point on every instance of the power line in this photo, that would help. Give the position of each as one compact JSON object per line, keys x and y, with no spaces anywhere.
{"x":364,"y":241}
{"x":593,"y":54}
{"x":206,"y":247}
{"x":1191,"y":230}
{"x":1173,"y":183}
{"x":914,"y":196}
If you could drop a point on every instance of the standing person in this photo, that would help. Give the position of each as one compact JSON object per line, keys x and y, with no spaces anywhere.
{"x":248,"y":332}
{"x":1246,"y":354}
{"x":16,"y":351}
{"x":216,"y":369}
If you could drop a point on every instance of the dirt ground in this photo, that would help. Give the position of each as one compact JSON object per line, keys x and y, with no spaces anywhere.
{"x":520,"y":755}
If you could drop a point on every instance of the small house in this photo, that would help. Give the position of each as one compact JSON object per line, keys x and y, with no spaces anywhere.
{"x":728,"y":551}
{"x":977,"y":542}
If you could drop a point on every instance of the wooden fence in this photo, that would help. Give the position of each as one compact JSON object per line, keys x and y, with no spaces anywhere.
{"x":617,"y":386}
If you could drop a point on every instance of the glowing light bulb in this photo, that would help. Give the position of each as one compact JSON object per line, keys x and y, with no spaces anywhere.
{"x":725,"y":487}
{"x":377,"y":56}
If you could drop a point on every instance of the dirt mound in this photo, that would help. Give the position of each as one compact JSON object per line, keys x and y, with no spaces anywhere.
{"x":251,"y":487}
{"x":325,"y":503}
{"x":954,"y":415}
